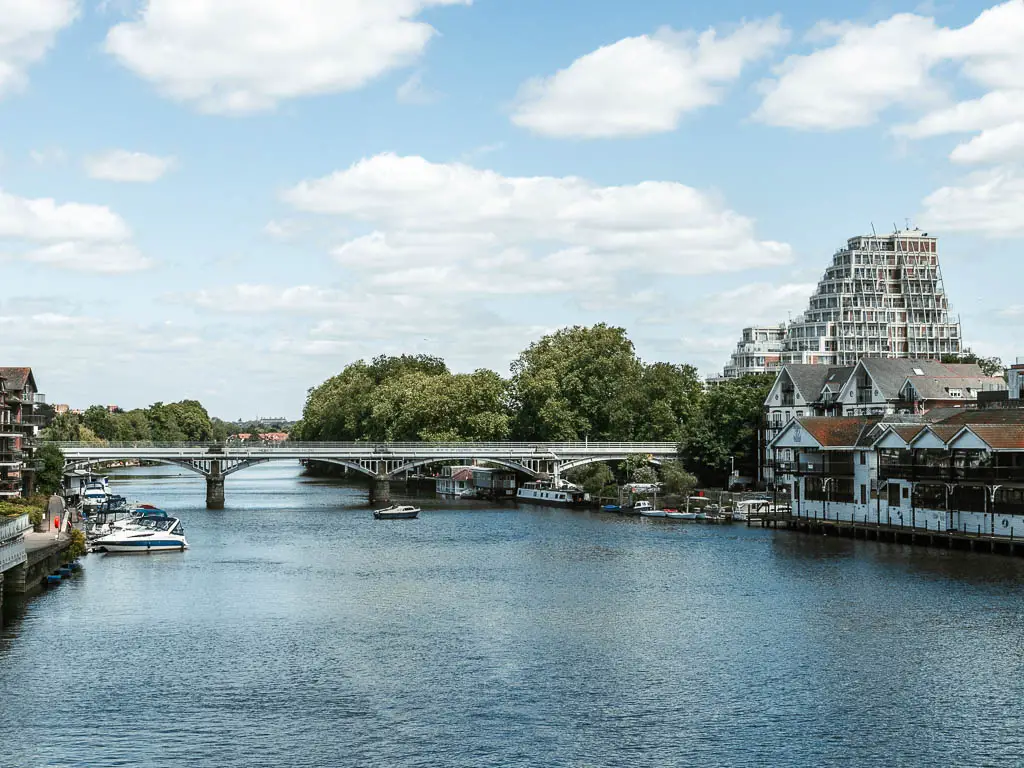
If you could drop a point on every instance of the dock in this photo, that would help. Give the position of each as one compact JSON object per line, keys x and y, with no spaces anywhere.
{"x":964,"y":541}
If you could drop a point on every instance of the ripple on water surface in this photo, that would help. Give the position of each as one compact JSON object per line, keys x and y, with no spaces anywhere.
{"x":298,"y":631}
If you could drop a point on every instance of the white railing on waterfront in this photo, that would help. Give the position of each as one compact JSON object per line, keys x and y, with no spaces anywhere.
{"x":13,"y":527}
{"x":12,"y":554}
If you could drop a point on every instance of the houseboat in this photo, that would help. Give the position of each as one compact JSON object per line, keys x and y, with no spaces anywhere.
{"x":564,"y":495}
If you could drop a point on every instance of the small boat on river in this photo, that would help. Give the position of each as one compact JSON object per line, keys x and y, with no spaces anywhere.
{"x":653,"y":513}
{"x":397,"y":512}
{"x":675,"y":514}
{"x":149,"y":534}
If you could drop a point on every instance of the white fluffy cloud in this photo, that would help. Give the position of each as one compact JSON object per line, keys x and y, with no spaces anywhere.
{"x":1004,"y":144}
{"x":44,"y":219}
{"x":992,"y":110}
{"x":868,"y":69}
{"x":450,"y":225}
{"x":27,"y":30}
{"x":990,"y":203}
{"x":642,"y":85}
{"x":68,"y":235}
{"x":122,"y":165}
{"x":239,"y":56}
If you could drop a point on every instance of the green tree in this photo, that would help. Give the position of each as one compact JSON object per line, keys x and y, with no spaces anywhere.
{"x":990,"y":366}
{"x":671,"y":398}
{"x":163,"y":423}
{"x":727,"y":425}
{"x":677,"y":481}
{"x":50,"y":472}
{"x":593,"y":478}
{"x":578,"y":382}
{"x":101,"y":421}
{"x":65,"y":428}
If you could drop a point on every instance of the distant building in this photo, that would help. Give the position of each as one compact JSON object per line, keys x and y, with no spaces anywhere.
{"x":455,"y":480}
{"x":470,"y":480}
{"x":759,"y":351}
{"x":20,"y":422}
{"x":882,"y":296}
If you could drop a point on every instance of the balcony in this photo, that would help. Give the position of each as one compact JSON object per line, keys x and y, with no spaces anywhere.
{"x":12,"y":457}
{"x":924,"y":473}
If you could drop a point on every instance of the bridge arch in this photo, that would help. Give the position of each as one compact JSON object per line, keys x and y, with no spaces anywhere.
{"x":426,"y":462}
{"x":577,"y":463}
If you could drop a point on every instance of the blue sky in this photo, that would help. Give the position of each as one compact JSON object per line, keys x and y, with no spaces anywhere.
{"x":232,"y":199}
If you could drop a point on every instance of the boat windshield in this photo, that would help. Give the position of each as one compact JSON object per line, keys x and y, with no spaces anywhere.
{"x":157,"y":523}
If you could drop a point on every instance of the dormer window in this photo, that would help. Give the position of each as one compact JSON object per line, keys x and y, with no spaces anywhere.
{"x":956,"y":393}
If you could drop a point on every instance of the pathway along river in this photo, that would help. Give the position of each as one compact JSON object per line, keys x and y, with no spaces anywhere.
{"x":298,"y":632}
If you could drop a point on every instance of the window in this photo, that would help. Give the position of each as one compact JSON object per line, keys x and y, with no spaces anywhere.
{"x":863,"y":494}
{"x":863,"y":457}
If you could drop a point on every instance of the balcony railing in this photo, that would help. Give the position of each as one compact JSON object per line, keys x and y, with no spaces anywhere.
{"x":943,"y":474}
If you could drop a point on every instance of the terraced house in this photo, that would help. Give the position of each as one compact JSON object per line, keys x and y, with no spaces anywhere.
{"x":20,"y":421}
{"x":948,"y":470}
{"x":875,"y":386}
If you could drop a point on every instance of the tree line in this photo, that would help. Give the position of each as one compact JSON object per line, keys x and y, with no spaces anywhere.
{"x":187,"y":420}
{"x":577,"y":383}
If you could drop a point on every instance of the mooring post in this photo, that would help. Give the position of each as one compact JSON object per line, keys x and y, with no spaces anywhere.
{"x":215,"y":487}
{"x":380,"y":489}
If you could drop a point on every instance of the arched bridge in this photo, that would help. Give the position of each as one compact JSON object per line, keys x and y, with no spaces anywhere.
{"x":380,"y":461}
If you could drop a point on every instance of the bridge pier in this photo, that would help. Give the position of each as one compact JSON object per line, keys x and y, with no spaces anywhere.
{"x":380,"y":489}
{"x":215,"y":487}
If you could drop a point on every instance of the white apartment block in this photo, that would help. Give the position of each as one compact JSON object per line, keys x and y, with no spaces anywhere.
{"x":882,"y":296}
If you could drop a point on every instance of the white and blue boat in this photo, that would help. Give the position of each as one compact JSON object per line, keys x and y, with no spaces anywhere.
{"x":148,"y":534}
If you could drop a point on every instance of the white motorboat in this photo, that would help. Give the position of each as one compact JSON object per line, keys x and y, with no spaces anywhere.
{"x":639,"y":508}
{"x":95,"y":493}
{"x":397,"y":512}
{"x":156,"y":534}
{"x":653,"y":512}
{"x":677,"y":515}
{"x":136,"y":516}
{"x":744,"y":510}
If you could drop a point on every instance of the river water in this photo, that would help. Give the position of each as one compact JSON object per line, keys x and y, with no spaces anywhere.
{"x":297,"y":631}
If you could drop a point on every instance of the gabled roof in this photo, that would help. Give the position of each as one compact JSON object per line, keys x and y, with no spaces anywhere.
{"x":810,"y":380}
{"x":890,"y":374}
{"x":1000,"y":437}
{"x":463,"y":474}
{"x":844,"y":432}
{"x":937,"y":388}
{"x":17,"y":378}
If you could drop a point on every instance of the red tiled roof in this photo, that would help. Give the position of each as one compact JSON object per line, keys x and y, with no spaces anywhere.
{"x":463,"y":474}
{"x":16,"y":377}
{"x":908,"y":432}
{"x":831,"y":432}
{"x":969,"y":417}
{"x":1001,"y":436}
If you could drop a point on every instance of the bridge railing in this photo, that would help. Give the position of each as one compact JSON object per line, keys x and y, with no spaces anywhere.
{"x":379,"y":447}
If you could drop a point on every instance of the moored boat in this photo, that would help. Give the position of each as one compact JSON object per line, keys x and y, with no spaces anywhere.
{"x":653,"y":513}
{"x":156,"y":534}
{"x":563,"y":494}
{"x":397,"y":512}
{"x":675,"y":514}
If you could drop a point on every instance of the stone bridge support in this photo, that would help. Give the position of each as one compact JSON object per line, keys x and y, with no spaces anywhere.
{"x":380,"y":489}
{"x":215,"y":487}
